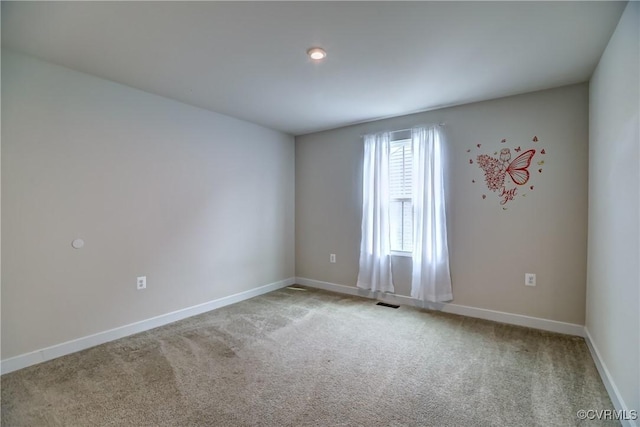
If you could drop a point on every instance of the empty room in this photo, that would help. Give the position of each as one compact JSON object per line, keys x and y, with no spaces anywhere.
{"x":320,"y":213}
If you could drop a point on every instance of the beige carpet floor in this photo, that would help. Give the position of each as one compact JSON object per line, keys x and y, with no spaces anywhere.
{"x":314,"y":358}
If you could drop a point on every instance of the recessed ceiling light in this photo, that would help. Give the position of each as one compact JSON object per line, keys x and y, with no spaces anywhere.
{"x":316,"y":53}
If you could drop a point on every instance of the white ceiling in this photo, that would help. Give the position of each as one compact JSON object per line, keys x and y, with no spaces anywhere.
{"x":248,"y":60}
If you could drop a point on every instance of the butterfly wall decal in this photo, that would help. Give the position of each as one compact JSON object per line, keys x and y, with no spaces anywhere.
{"x":496,"y":169}
{"x":506,"y":175}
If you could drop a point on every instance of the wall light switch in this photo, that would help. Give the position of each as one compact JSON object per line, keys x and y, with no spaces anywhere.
{"x":529,"y":279}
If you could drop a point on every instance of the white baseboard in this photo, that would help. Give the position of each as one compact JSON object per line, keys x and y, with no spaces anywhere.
{"x":42,"y":355}
{"x":614,"y":394}
{"x":351,"y":290}
{"x":480,"y":313}
{"x":516,"y":319}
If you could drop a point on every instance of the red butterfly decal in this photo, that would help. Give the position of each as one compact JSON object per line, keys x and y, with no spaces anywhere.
{"x":518,"y":149}
{"x":495,"y":170}
{"x":503,"y":140}
{"x":479,"y":145}
{"x":531,"y":187}
{"x":484,"y":196}
{"x":470,"y":161}
{"x":540,"y":170}
{"x":543,"y":152}
{"x":518,"y":169}
{"x":535,"y":139}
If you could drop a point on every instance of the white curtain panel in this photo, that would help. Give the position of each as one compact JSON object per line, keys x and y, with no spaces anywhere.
{"x":431,"y":277}
{"x":375,"y":246}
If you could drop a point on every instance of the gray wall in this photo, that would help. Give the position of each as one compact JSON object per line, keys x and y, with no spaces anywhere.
{"x":544,"y":232}
{"x":200,"y":203}
{"x":613,"y":289}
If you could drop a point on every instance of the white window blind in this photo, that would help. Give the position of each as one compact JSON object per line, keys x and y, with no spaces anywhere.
{"x":401,"y":211}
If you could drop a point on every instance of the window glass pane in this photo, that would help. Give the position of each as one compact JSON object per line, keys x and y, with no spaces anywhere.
{"x":400,"y":177}
{"x":407,"y":232}
{"x":396,"y":172}
{"x":395,"y":213}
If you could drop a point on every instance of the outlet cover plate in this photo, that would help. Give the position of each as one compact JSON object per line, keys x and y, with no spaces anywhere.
{"x":529,"y":279}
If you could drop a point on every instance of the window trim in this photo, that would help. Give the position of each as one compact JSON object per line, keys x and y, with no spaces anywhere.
{"x":404,"y":254}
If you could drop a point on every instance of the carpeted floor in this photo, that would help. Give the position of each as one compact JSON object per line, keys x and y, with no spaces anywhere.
{"x":314,"y":358}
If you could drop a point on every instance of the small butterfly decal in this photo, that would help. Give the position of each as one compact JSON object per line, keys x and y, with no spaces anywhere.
{"x":524,"y":194}
{"x":469,"y":150}
{"x":495,"y":153}
{"x":503,"y":140}
{"x":478,"y":145}
{"x":541,"y":162}
{"x":518,"y":149}
{"x":504,"y":209}
{"x":484,"y":196}
{"x":531,"y":187}
{"x":470,"y":161}
{"x":473,"y":180}
{"x":543,"y":152}
{"x":540,"y":170}
{"x":535,"y":139}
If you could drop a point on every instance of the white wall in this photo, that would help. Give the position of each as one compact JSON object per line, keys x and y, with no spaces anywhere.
{"x":613,"y":289}
{"x":544,"y":232}
{"x":200,"y":203}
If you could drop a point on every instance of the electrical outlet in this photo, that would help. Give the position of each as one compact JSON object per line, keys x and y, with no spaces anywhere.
{"x":142,"y":282}
{"x":332,"y":258}
{"x":529,"y":279}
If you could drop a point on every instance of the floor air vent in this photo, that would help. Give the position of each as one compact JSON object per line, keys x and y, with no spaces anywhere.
{"x":384,"y":304}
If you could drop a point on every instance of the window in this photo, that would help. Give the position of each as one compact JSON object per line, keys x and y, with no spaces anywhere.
{"x":403,"y":188}
{"x":400,"y":206}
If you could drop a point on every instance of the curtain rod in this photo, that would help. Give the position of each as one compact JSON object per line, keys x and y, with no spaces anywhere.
{"x":441,"y":124}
